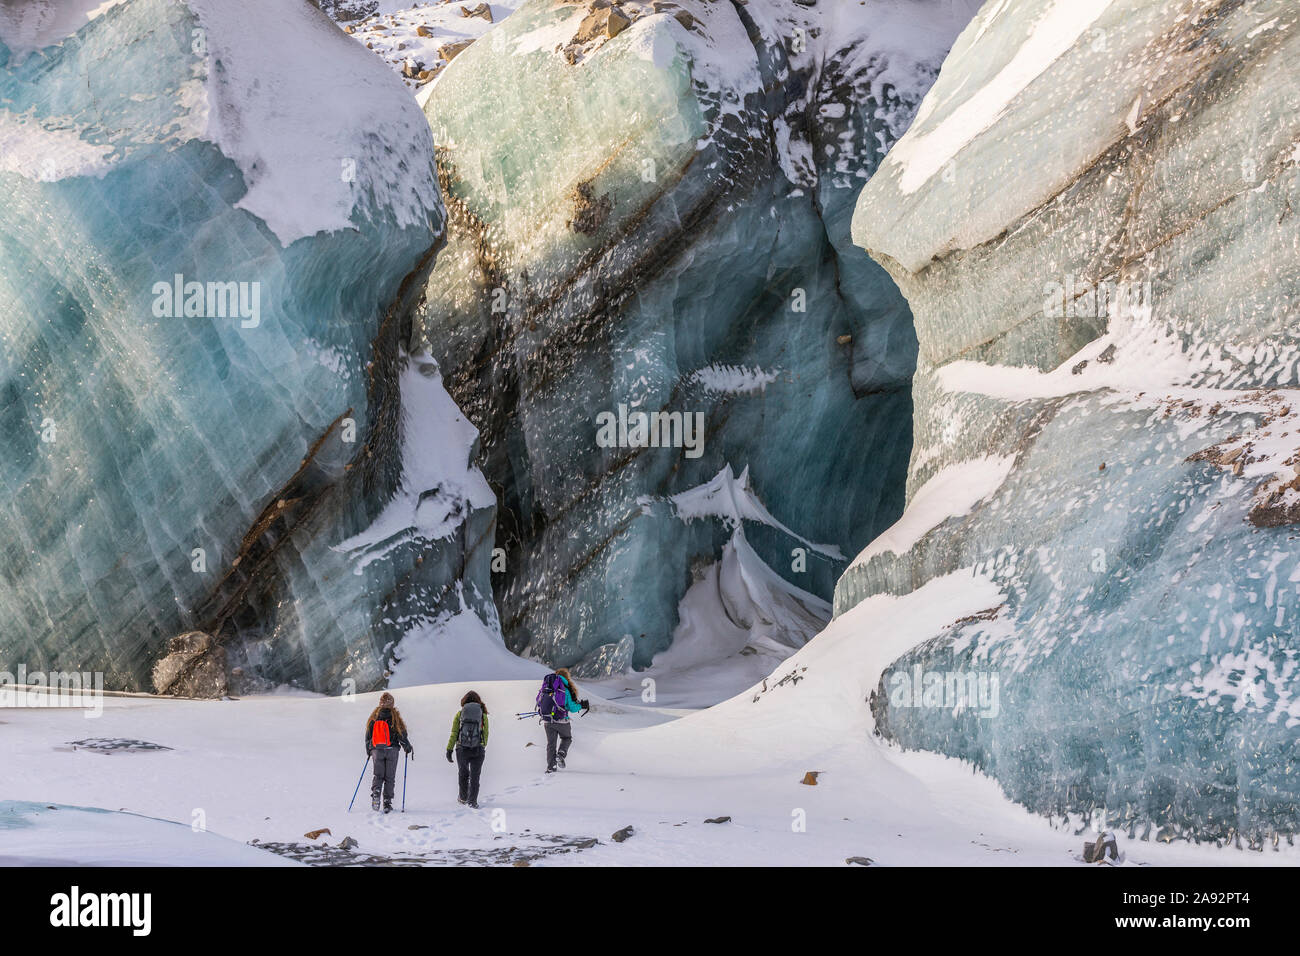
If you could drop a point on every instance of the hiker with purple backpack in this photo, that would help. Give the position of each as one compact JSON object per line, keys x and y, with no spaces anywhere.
{"x":555,"y":701}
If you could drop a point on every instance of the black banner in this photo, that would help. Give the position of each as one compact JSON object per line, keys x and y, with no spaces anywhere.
{"x":138,"y":906}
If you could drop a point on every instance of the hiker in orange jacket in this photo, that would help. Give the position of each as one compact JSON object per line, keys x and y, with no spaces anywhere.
{"x":385,"y":733}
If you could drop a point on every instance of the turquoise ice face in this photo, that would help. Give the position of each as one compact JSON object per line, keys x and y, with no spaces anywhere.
{"x":662,"y":227}
{"x":199,"y":393}
{"x":1101,"y":275}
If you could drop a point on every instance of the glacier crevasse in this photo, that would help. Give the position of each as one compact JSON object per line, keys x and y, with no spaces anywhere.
{"x":662,"y":225}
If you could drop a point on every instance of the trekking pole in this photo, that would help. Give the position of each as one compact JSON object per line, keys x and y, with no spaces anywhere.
{"x":359,"y":779}
{"x":531,"y":714}
{"x":405,"y":758}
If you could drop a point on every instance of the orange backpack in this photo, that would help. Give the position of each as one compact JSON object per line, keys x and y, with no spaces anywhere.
{"x":379,"y":735}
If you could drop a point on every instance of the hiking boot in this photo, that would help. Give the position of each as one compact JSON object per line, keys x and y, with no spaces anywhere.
{"x":388,"y":806}
{"x":374,"y":803}
{"x":461,"y":800}
{"x":550,"y":770}
{"x":473,"y":804}
{"x":559,"y":763}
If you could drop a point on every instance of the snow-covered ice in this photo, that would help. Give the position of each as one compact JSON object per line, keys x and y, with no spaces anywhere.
{"x":44,"y":834}
{"x":951,"y":493}
{"x":272,"y":769}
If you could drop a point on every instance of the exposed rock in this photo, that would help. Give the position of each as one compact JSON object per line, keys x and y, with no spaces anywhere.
{"x":618,"y":836}
{"x":347,"y":843}
{"x":810,"y":778}
{"x":116,"y":745}
{"x":316,"y":834}
{"x":718,"y":820}
{"x":192,"y":667}
{"x":616,"y":22}
{"x":1104,"y":849}
{"x":348,"y":10}
{"x":449,"y":51}
{"x":528,"y":849}
{"x":602,"y":24}
{"x":1279,"y":507}
{"x":859,"y":860}
{"x":482,"y":11}
{"x":589,"y":213}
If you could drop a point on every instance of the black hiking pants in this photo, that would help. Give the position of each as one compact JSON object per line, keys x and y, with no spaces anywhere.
{"x":385,"y":771}
{"x":469,"y":762}
{"x":557,"y":731}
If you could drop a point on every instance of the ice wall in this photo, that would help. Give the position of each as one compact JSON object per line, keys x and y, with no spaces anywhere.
{"x":649,"y":212}
{"x":211,"y":238}
{"x":1093,"y":221}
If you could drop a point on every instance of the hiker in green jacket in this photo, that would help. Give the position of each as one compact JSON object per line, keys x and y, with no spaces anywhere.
{"x":469,"y":737}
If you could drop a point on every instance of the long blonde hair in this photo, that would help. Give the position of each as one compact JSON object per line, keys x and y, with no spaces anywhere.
{"x":386,"y":700}
{"x":573,"y":687}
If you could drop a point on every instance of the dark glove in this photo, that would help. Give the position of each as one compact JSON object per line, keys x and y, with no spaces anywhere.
{"x":448,"y":756}
{"x":586,"y":705}
{"x":369,"y":750}
{"x":410,"y":752}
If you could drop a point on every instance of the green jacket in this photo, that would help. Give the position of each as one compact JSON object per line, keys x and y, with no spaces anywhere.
{"x":455,"y":731}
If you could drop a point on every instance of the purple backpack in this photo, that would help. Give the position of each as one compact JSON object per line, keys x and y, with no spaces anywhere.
{"x":552,"y":699}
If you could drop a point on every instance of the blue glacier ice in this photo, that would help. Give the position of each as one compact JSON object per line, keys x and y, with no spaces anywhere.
{"x":661,"y":226}
{"x":1092,"y":219}
{"x":212,"y":239}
